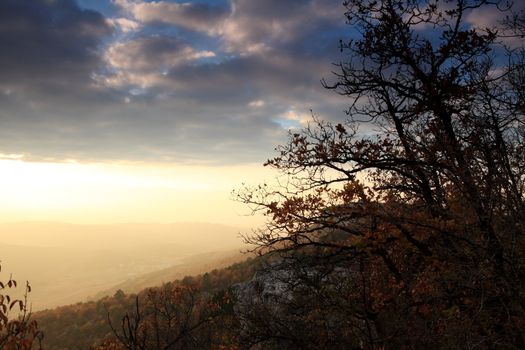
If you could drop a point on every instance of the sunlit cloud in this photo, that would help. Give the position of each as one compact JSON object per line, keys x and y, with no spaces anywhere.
{"x":256,"y":103}
{"x":144,"y":61}
{"x":124,"y":24}
{"x":293,"y":118}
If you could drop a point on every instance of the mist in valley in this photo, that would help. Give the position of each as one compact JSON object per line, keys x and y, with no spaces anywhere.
{"x":69,"y":263}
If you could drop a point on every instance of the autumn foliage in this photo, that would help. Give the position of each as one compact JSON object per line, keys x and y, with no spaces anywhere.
{"x":193,"y":313}
{"x":172,"y":317}
{"x":419,"y":196}
{"x":18,"y":332}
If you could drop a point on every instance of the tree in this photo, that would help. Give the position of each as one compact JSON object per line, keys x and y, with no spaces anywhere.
{"x":425,"y":207}
{"x":19,"y":333}
{"x":172,"y":317}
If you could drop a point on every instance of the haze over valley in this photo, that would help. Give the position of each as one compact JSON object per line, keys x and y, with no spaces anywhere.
{"x":68,"y":263}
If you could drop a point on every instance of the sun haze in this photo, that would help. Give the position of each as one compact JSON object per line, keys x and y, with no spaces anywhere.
{"x":120,"y":193}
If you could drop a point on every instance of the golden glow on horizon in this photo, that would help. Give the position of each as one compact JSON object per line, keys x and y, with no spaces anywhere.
{"x":114,"y":193}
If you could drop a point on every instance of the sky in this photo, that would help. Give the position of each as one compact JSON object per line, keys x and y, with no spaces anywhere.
{"x":154,"y":111}
{"x":208,"y":82}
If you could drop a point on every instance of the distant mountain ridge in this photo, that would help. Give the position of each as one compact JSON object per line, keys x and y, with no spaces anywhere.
{"x":125,"y":234}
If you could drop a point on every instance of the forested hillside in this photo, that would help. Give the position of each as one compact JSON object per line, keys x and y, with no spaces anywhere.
{"x":85,"y":325}
{"x":189,"y":266}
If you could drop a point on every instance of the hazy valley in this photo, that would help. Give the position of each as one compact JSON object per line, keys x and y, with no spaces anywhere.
{"x":67,"y":263}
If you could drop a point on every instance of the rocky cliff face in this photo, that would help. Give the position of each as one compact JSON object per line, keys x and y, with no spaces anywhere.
{"x":284,"y":304}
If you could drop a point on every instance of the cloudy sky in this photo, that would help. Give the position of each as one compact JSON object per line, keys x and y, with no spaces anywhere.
{"x":208,"y":82}
{"x":159,"y":99}
{"x":134,"y":110}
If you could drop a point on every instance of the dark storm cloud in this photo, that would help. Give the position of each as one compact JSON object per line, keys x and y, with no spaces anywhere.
{"x":170,"y":130}
{"x":48,"y":46}
{"x":242,"y":80}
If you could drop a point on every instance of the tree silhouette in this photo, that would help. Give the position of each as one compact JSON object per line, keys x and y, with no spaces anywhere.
{"x":419,"y":196}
